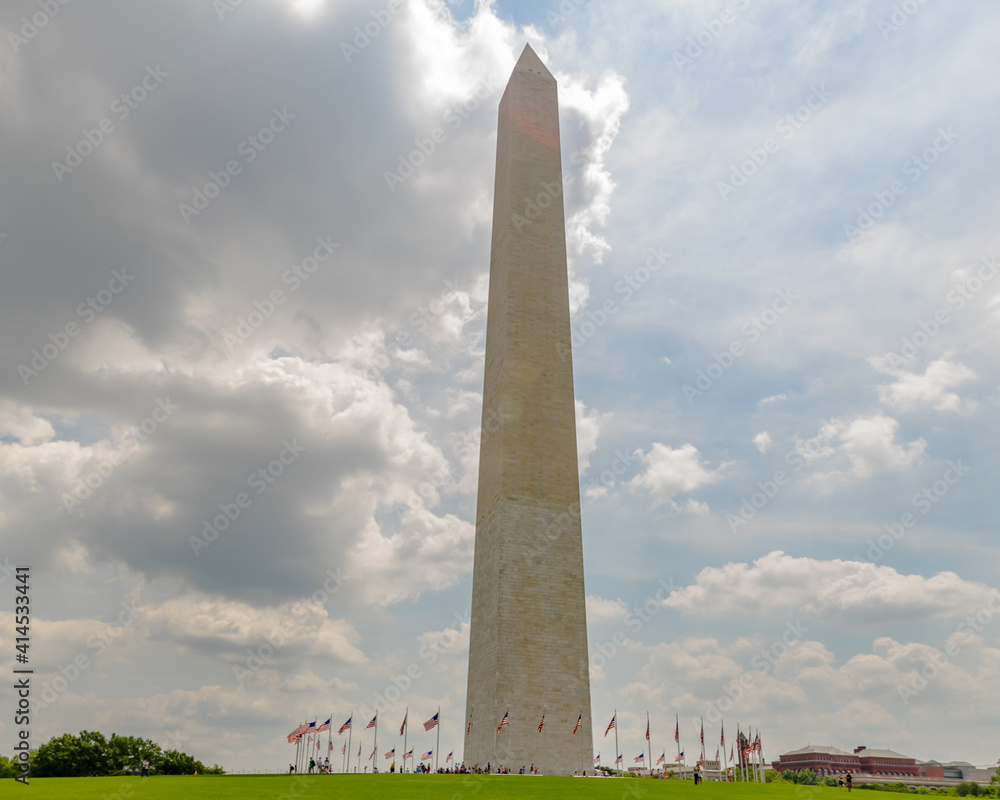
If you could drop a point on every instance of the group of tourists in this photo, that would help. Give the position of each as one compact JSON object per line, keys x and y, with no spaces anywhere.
{"x":315,"y":766}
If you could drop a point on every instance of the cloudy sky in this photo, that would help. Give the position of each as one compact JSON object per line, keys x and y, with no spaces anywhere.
{"x":245,"y":251}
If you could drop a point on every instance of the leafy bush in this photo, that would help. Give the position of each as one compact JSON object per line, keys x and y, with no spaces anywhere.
{"x":806,"y":777}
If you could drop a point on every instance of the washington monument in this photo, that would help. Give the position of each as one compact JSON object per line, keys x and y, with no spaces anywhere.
{"x":528,"y":638}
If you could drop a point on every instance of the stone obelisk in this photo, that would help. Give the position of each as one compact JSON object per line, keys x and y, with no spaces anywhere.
{"x":528,"y":638}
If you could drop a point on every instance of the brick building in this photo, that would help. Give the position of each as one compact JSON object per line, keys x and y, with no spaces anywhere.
{"x":821,"y":759}
{"x":829,"y":760}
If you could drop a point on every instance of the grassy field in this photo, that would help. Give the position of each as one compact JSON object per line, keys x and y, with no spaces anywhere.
{"x":391,"y":787}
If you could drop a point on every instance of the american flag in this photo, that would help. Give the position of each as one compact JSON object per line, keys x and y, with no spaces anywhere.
{"x":597,"y":759}
{"x":679,"y":756}
{"x":703,"y":732}
{"x":677,"y":730}
{"x":345,"y":726}
{"x":403,"y":726}
{"x":426,"y":756}
{"x":317,"y":743}
{"x":449,"y":758}
{"x":359,"y":749}
{"x":309,"y":740}
{"x":432,"y":722}
{"x":611,"y":725}
{"x":343,"y":749}
{"x":579,"y":722}
{"x":468,"y":730}
{"x":372,"y":756}
{"x":391,"y":753}
{"x":330,"y":748}
{"x":541,"y":724}
{"x":722,"y":738}
{"x":731,"y":754}
{"x":408,"y":755}
{"x":716,"y":753}
{"x":373,"y":723}
{"x":619,"y":760}
{"x":502,"y":722}
{"x":647,"y":731}
{"x":641,"y":758}
{"x":294,"y":735}
{"x":662,"y":758}
{"x":325,"y":726}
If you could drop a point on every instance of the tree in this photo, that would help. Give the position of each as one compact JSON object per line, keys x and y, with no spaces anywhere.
{"x":8,"y":767}
{"x":90,"y":754}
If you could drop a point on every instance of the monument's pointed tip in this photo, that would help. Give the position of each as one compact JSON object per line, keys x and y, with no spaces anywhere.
{"x":530,"y":61}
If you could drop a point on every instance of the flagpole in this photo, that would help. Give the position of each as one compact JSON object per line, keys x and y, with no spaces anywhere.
{"x":617,"y":752}
{"x":760,"y":763}
{"x":302,"y":751}
{"x":344,"y":760}
{"x":437,"y":747}
{"x":677,"y":738}
{"x":406,"y":730}
{"x":375,"y":744}
{"x":495,"y":735}
{"x":544,"y":708}
{"x":649,"y":743}
{"x":329,"y":738}
{"x":350,"y":733}
{"x":743,"y":760}
{"x":722,"y":741}
{"x":508,"y":731}
{"x":298,"y":741}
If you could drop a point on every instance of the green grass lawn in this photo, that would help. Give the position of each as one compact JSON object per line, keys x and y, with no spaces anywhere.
{"x":390,"y":787}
